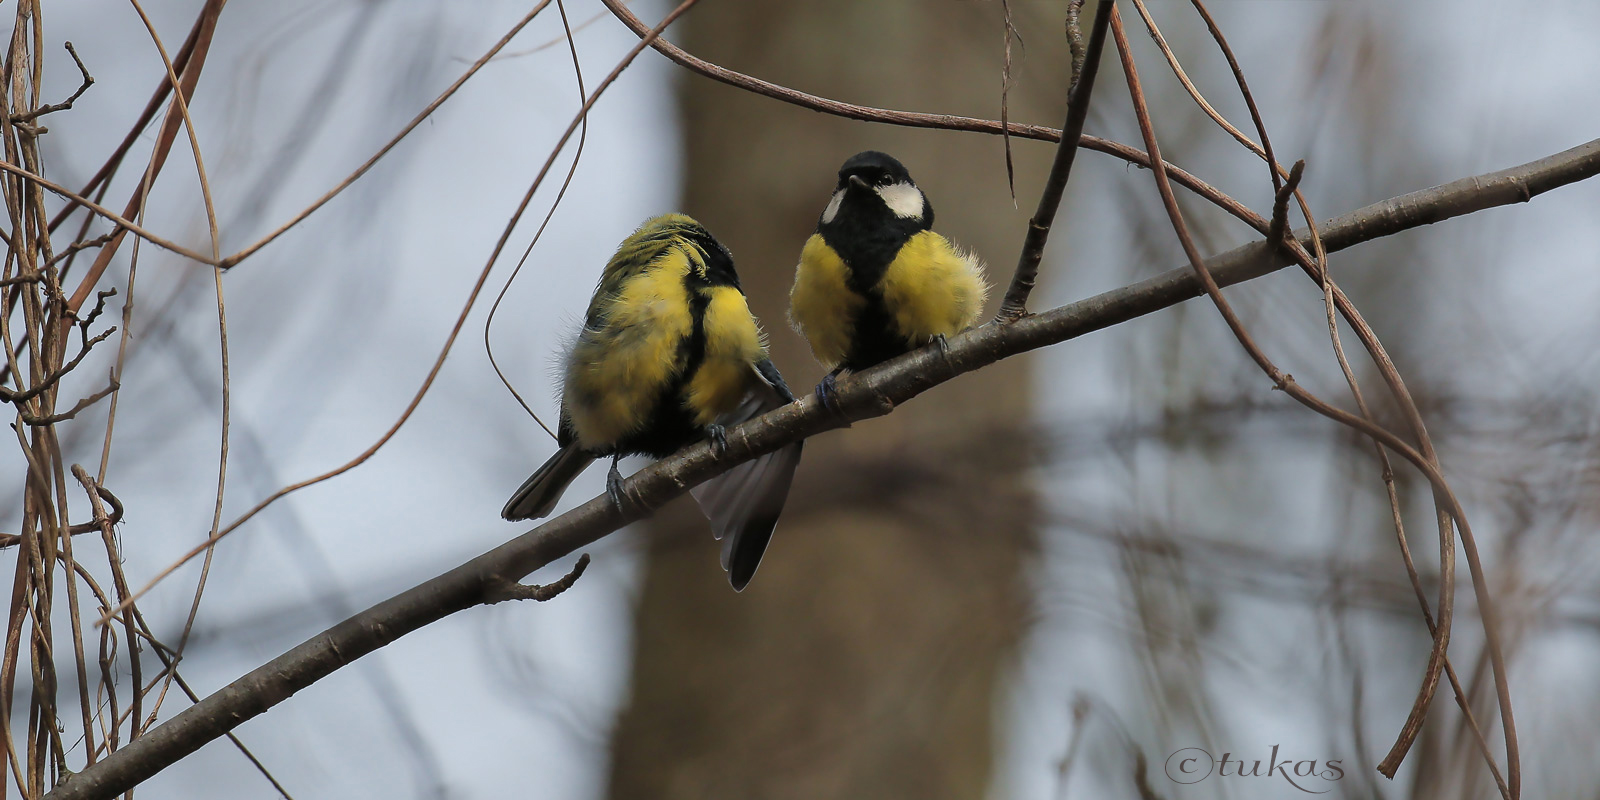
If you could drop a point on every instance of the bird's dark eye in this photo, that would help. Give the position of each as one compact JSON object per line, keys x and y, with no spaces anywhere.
{"x":885,"y":180}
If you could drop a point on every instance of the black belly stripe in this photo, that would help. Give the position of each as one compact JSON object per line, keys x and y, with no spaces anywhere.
{"x":867,"y":252}
{"x":876,"y":339}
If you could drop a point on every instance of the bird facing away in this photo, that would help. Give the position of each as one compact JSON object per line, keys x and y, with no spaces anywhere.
{"x":875,"y":281}
{"x":670,"y":354}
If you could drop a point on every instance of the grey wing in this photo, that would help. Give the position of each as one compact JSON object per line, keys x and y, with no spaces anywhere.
{"x":743,"y":504}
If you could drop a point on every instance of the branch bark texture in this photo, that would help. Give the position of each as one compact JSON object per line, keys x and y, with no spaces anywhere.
{"x":872,"y":393}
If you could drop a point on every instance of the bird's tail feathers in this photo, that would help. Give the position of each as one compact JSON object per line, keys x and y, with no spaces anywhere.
{"x":539,"y":494}
{"x":743,"y":504}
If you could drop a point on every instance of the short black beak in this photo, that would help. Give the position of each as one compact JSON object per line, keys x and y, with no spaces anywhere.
{"x":856,"y":179}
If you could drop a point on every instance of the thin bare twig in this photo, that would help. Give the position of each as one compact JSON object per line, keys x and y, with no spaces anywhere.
{"x":583,"y":137}
{"x":222,"y":333}
{"x":912,"y":119}
{"x":110,"y":215}
{"x":205,"y":29}
{"x":18,"y":396}
{"x":198,"y":39}
{"x":1280,"y":204}
{"x":63,"y":416}
{"x":515,"y":590}
{"x":51,"y":108}
{"x":1284,"y":382}
{"x":1010,"y":32}
{"x":1016,"y":301}
{"x":421,"y":117}
{"x":75,"y":247}
{"x":1337,"y":304}
{"x":455,"y":331}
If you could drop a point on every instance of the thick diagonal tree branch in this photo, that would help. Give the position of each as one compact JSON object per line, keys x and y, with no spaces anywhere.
{"x":872,"y":393}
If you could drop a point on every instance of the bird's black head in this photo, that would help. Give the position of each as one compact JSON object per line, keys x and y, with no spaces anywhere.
{"x":874,"y":169}
{"x":876,"y":190}
{"x":718,"y":262}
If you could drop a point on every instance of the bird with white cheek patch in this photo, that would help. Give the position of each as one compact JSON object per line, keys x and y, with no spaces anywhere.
{"x":875,"y":281}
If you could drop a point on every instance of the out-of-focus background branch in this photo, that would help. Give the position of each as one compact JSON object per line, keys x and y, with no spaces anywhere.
{"x":1039,"y":580}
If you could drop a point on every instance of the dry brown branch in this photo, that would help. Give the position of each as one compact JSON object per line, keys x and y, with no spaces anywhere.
{"x":51,"y":419}
{"x":1016,"y":300}
{"x":222,"y":333}
{"x":455,"y":331}
{"x":1279,"y":226}
{"x":51,"y":108}
{"x":1336,"y":303}
{"x":46,"y":543}
{"x":198,"y":40}
{"x":1429,"y":466}
{"x":99,"y":181}
{"x":120,"y":221}
{"x":44,"y":511}
{"x":871,"y":393}
{"x":910,"y":119}
{"x":104,"y":522}
{"x":367,"y":165}
{"x":514,"y":590}
{"x":49,"y":381}
{"x":566,"y":183}
{"x":205,"y":27}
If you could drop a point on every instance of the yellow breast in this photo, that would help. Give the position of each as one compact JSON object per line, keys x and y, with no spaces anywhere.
{"x":733,"y":346}
{"x":931,"y":288}
{"x":821,"y":306}
{"x":616,"y":373}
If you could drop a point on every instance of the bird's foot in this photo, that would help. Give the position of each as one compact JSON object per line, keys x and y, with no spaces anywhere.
{"x":828,"y":392}
{"x":614,"y":491}
{"x":719,"y":439}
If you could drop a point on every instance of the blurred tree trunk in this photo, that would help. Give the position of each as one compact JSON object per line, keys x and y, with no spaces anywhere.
{"x":869,"y":656}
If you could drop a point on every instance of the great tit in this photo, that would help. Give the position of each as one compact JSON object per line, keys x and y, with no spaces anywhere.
{"x":670,"y":354}
{"x":875,"y":281}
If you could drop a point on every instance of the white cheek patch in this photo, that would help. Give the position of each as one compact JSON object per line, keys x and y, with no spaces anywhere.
{"x":903,"y":199}
{"x":833,"y":207}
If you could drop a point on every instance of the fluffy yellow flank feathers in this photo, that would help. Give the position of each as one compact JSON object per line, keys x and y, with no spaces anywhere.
{"x":929,"y":289}
{"x":932,"y":289}
{"x":821,"y":306}
{"x":617,"y":370}
{"x":733,"y":343}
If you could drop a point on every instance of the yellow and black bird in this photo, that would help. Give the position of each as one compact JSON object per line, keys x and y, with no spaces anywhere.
{"x":670,"y":354}
{"x":875,"y":281}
